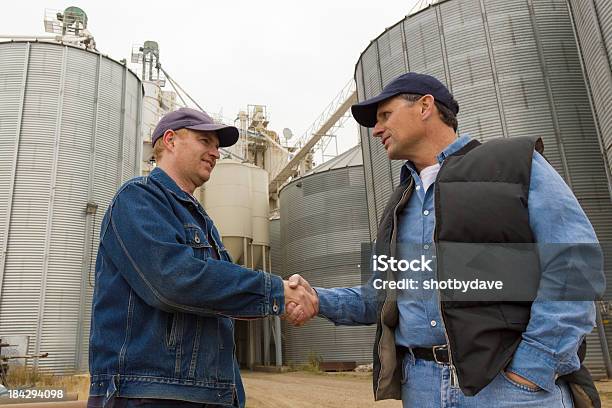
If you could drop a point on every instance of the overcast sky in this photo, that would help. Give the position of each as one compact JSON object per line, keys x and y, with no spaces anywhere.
{"x":293,"y":57}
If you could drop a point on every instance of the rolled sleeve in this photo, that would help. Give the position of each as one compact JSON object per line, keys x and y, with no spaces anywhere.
{"x":535,"y":364}
{"x":556,"y":329}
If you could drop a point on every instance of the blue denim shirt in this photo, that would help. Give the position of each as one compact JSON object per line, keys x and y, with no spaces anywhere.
{"x":162,"y":313}
{"x":555,"y":329}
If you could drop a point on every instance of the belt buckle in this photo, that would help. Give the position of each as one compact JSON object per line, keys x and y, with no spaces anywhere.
{"x":435,"y":356}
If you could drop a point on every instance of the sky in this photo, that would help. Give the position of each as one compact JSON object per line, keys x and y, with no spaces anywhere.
{"x":292,"y":57}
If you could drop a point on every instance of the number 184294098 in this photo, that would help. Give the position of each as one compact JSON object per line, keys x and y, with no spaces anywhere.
{"x":36,"y":394}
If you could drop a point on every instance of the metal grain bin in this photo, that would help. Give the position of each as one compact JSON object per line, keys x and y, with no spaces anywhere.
{"x":69,"y":137}
{"x":515,"y":70}
{"x":592,"y":20}
{"x":323,"y":218}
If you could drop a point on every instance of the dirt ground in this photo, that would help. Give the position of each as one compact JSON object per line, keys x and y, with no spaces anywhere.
{"x":305,"y":390}
{"x":605,"y":392}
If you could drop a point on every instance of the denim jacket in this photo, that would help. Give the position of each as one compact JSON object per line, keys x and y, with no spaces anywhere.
{"x":163,"y":305}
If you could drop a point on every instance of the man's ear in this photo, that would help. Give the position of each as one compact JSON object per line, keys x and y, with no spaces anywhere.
{"x":168,"y":139}
{"x":427,"y":106}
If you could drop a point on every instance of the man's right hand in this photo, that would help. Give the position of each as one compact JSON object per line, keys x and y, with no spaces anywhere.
{"x":301,"y":301}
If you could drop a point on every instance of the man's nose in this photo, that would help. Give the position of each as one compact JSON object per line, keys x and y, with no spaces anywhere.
{"x":378,"y":130}
{"x":215,"y":153}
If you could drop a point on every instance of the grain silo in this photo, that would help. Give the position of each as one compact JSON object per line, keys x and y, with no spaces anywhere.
{"x":69,"y":137}
{"x":227,"y":199}
{"x":236,"y":198}
{"x":592,"y":20}
{"x":515,"y":70}
{"x":323,"y":217}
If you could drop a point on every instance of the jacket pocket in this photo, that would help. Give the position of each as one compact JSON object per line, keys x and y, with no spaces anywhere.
{"x":197,"y":239}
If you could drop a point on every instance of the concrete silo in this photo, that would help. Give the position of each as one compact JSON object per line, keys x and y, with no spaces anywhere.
{"x":236,"y":198}
{"x":515,"y":70}
{"x":69,"y":137}
{"x":323,"y":218}
{"x":227,"y":199}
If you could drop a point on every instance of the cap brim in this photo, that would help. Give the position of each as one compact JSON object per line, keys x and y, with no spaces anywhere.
{"x":365,"y":112}
{"x":228,"y":135}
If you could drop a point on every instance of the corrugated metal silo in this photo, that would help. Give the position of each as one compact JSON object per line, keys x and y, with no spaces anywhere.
{"x":69,"y":137}
{"x":323,"y":218}
{"x":515,"y":70}
{"x":592,"y":21}
{"x":593,"y":27}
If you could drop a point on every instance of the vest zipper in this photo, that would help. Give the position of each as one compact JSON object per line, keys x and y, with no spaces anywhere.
{"x":393,"y":239}
{"x":454,"y":376}
{"x":400,"y":202}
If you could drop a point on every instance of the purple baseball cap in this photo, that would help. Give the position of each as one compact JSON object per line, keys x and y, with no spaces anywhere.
{"x":187,"y":118}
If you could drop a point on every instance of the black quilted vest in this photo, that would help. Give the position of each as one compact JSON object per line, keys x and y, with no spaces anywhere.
{"x":481,"y":196}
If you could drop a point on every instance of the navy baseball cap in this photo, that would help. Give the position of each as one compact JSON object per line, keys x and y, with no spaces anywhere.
{"x":410,"y":83}
{"x":187,"y":118}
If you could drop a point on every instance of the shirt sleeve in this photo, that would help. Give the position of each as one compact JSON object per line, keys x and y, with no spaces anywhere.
{"x":352,"y":306}
{"x":143,"y":240}
{"x":556,"y":328}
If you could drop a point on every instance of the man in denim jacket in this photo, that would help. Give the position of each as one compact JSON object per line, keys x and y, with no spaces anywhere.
{"x":162,"y":331}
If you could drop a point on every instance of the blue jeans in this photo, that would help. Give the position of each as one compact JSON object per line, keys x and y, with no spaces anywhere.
{"x":426,"y":384}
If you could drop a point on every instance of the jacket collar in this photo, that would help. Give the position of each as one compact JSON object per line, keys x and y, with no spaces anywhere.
{"x":168,"y":182}
{"x":408,"y":169}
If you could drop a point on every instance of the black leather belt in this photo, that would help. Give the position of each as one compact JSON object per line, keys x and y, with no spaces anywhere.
{"x":439,"y":354}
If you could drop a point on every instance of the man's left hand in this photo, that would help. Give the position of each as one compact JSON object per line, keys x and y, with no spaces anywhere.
{"x":523,"y":381}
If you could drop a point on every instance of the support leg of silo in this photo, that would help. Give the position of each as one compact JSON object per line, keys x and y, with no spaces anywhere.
{"x":263,"y":257}
{"x":251,"y":345}
{"x":244,"y":252}
{"x":252,"y":257}
{"x":277,"y":341}
{"x":266,"y":339}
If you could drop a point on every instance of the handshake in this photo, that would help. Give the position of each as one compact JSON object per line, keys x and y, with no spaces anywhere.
{"x":301,"y":301}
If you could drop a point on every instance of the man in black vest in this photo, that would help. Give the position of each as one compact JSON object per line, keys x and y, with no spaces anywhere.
{"x":493,"y":201}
